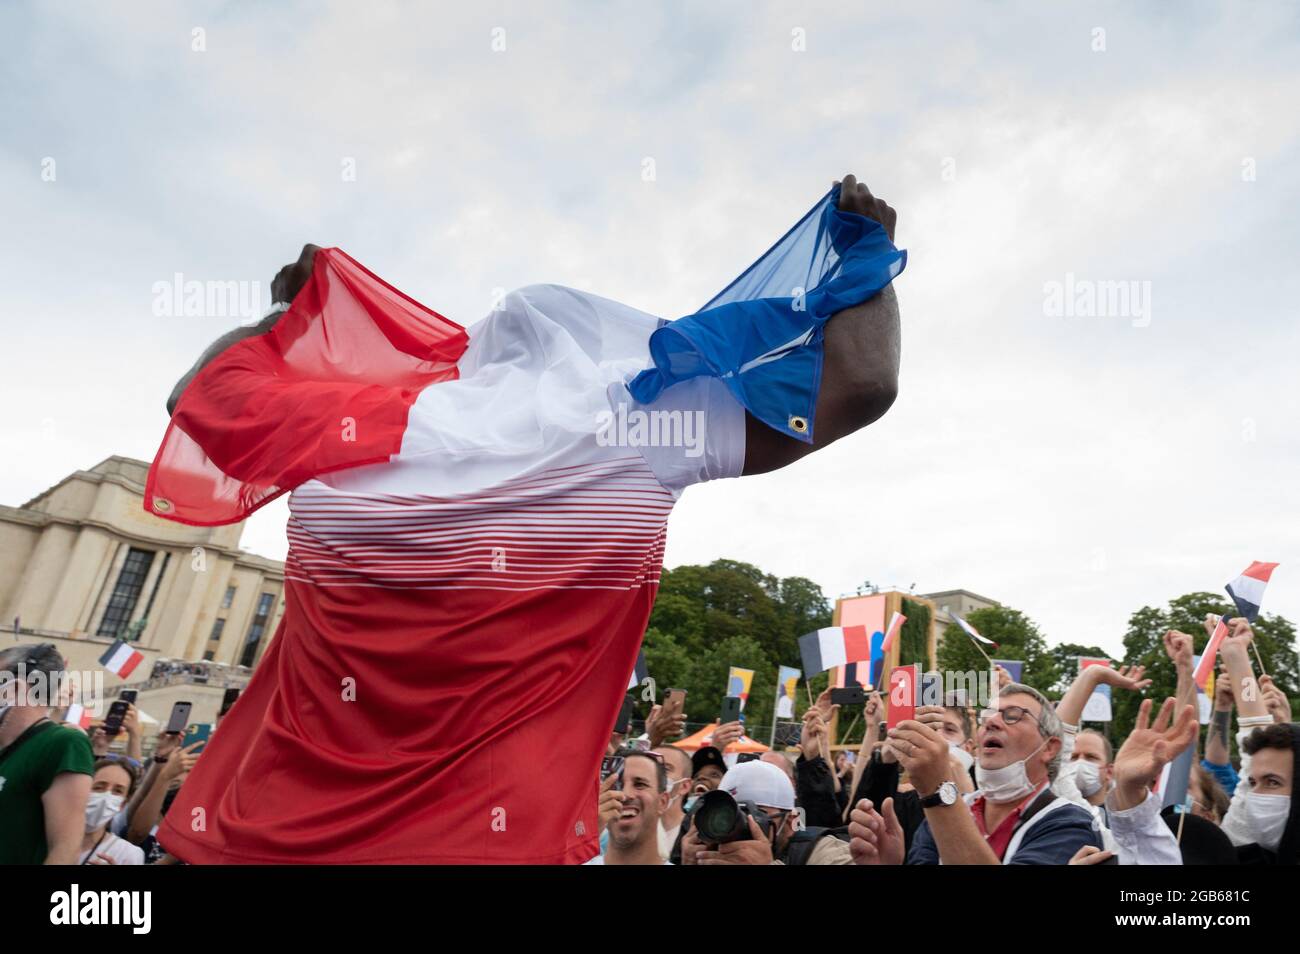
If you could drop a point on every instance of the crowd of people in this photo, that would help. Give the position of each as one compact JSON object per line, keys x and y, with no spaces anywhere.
{"x":1016,"y":781}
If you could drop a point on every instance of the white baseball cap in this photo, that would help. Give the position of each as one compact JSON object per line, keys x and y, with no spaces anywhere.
{"x":761,"y":783}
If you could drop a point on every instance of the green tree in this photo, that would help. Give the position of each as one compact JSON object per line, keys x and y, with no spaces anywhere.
{"x":1017,"y":636}
{"x":1144,"y":645}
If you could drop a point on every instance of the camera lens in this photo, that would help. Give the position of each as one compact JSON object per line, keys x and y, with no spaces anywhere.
{"x":717,"y":816}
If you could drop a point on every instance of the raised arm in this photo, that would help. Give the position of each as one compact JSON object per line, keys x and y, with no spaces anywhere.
{"x":285,"y":286}
{"x":860,"y":366}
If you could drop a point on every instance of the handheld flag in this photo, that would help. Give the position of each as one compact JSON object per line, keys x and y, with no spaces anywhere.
{"x":1247,"y":590}
{"x":1201,"y":674}
{"x":895,"y":624}
{"x":78,"y":716}
{"x":971,"y":631}
{"x":121,"y":659}
{"x":639,"y":671}
{"x":1015,"y":668}
{"x":786,"y":680}
{"x":834,"y":646}
{"x":738,"y":682}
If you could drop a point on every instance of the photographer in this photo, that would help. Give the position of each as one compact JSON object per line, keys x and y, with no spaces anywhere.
{"x":764,"y":828}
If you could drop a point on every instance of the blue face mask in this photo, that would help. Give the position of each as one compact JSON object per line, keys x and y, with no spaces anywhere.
{"x":690,"y":803}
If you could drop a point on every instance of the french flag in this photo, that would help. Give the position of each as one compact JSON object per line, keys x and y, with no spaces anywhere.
{"x":78,"y":716}
{"x":895,"y":624}
{"x":121,"y":659}
{"x":1204,"y":668}
{"x":971,"y":631}
{"x":640,"y":671}
{"x":1247,"y":590}
{"x":834,"y":646}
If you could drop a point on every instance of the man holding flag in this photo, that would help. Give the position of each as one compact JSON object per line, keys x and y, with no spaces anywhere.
{"x":473,"y":557}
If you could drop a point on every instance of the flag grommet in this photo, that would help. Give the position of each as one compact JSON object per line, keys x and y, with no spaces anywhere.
{"x":798,"y":424}
{"x":162,"y":504}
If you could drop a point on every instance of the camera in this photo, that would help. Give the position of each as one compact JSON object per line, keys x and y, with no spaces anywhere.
{"x":719,"y":818}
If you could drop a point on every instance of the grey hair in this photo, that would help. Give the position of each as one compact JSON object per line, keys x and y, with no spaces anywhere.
{"x":1049,"y":723}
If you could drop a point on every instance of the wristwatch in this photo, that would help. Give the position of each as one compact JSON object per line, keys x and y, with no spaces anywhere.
{"x":946,"y":795}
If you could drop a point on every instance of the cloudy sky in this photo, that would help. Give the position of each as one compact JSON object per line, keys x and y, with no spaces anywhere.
{"x":1075,"y":466}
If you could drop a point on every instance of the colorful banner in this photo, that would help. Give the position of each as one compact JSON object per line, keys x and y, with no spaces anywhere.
{"x":868,"y":612}
{"x":738,"y":682}
{"x":786,"y":680}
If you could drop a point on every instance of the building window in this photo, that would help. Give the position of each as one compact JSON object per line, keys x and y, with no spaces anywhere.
{"x":217,"y":627}
{"x":228,"y":598}
{"x":264,"y":604}
{"x":209,"y":656}
{"x":126,"y":592}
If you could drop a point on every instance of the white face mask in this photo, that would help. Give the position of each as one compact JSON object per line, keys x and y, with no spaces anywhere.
{"x":1008,"y":783}
{"x":964,"y":758}
{"x":1086,"y":775}
{"x":1267,"y":815}
{"x":100,"y":808}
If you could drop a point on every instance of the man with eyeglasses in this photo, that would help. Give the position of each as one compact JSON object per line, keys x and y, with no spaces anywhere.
{"x":634,"y":833}
{"x":1013,"y":818}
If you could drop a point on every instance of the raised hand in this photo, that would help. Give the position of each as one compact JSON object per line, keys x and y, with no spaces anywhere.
{"x":610,"y":803}
{"x":725,"y":734}
{"x":1125,"y":677}
{"x":856,"y":197}
{"x":1148,"y":747}
{"x":923,"y":753}
{"x":1178,"y":646}
{"x":1275,"y":700}
{"x":664,"y":723}
{"x":289,"y":280}
{"x":875,"y":839}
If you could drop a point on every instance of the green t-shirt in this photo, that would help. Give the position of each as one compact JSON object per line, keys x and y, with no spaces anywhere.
{"x":28,"y":767}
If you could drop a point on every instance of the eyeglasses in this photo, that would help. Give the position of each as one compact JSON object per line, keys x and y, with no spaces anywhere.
{"x":1009,"y":714}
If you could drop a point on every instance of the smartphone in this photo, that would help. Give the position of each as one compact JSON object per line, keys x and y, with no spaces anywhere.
{"x":748,"y":757}
{"x":116,"y":713}
{"x":676,"y":699}
{"x":730,"y":709}
{"x":227,"y":701}
{"x":624,"y":716}
{"x":127,"y":695}
{"x":197,"y":732}
{"x":902,"y":694}
{"x":610,"y":765}
{"x":849,"y":696}
{"x":179,"y":718}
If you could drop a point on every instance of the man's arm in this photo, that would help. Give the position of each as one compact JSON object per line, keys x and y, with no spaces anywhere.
{"x":285,"y":286}
{"x":64,"y":803}
{"x":862,"y":349}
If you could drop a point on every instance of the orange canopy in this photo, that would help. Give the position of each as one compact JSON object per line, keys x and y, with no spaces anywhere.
{"x":705,"y":737}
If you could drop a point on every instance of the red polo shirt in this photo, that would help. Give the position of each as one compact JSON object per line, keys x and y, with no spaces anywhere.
{"x":1001,"y":836}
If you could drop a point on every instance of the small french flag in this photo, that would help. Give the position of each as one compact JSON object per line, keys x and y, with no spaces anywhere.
{"x":121,"y":659}
{"x":78,"y":716}
{"x":834,"y":646}
{"x":639,"y":672}
{"x":1204,"y":668}
{"x":895,"y":624}
{"x":1247,"y":590}
{"x":971,"y":631}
